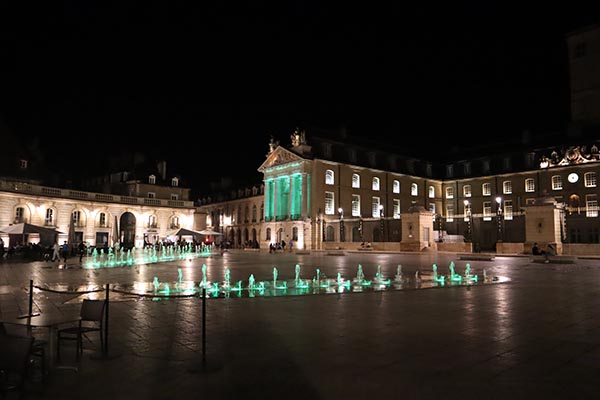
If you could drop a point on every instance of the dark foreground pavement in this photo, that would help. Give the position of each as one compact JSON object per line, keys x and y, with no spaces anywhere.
{"x":536,"y":336}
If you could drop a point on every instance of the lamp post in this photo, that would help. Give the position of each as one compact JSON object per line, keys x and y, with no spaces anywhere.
{"x":341,"y":214}
{"x":319,"y":229}
{"x":468,"y":219}
{"x":499,"y":218}
{"x":381,"y":222}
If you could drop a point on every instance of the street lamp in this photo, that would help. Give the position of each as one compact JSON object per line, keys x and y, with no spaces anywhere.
{"x":468,"y":218}
{"x":381,"y":221}
{"x":499,"y":217}
{"x":341,"y":213}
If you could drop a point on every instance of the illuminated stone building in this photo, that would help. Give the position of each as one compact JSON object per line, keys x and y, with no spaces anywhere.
{"x":128,"y":207}
{"x":327,"y":193}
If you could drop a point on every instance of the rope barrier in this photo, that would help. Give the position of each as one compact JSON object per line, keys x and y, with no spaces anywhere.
{"x":67,"y":292}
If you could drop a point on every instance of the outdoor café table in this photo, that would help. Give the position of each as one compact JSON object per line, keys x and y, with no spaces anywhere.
{"x":50,"y":322}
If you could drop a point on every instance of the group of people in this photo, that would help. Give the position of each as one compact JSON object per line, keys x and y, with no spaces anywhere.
{"x":550,"y":250}
{"x":63,"y":252}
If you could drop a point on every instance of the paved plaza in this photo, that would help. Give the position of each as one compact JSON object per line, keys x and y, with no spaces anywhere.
{"x":536,"y":335}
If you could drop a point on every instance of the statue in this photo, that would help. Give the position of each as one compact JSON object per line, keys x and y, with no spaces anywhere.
{"x":298,"y":137}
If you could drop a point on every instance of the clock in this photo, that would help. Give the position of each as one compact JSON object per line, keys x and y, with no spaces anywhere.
{"x":573,"y":177}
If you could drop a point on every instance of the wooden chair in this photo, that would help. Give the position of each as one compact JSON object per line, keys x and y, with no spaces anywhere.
{"x":15,"y":358}
{"x":91,"y":319}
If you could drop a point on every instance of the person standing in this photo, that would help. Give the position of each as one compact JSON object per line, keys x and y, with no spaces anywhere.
{"x":65,"y":251}
{"x":81,"y":249}
{"x":56,"y":252}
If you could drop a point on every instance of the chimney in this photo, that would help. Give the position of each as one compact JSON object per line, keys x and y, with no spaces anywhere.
{"x":162,"y":169}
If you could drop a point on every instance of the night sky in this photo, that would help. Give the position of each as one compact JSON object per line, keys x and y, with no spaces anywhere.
{"x":110,"y":76}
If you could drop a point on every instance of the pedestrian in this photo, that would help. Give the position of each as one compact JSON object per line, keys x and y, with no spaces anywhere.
{"x":56,"y":252}
{"x":65,"y":251}
{"x":81,"y":249}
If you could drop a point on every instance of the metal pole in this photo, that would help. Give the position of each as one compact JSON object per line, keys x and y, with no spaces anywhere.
{"x":203,"y":328}
{"x":31,"y":297}
{"x":105,"y":347}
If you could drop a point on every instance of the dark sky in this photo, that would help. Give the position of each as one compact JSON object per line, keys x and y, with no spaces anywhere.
{"x":112,"y":75}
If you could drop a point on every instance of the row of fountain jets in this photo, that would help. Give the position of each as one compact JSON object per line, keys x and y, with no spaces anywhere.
{"x":321,"y":281}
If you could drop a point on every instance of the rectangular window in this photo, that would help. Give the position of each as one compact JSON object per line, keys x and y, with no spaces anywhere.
{"x":467,"y":212}
{"x":507,"y":187}
{"x":529,"y":185}
{"x":329,"y":177}
{"x":151,"y":195}
{"x":396,"y":208}
{"x":355,"y":205}
{"x":329,"y":203}
{"x":529,"y":202}
{"x":449,"y":171}
{"x":375,"y":185}
{"x":355,"y":180}
{"x":508,"y":210}
{"x":589,"y":179}
{"x":449,"y":192}
{"x":485,"y":166}
{"x":591,"y":205}
{"x":557,"y":182}
{"x":375,"y":207}
{"x":450,"y":213}
{"x":467,"y":190}
{"x":486,"y":189}
{"x":76,"y":217}
{"x":467,"y":169}
{"x":506,"y":163}
{"x":352,"y":155}
{"x":487,"y":210}
{"x":174,"y":197}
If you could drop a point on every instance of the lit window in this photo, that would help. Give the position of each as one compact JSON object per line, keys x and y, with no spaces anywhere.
{"x":355,"y":205}
{"x":467,"y":190}
{"x":396,"y":209}
{"x":591,"y":205}
{"x":355,"y":180}
{"x":375,"y":207}
{"x":329,"y":177}
{"x":486,"y":189}
{"x":487,"y":210}
{"x":329,"y":203}
{"x":49,"y":217}
{"x":414,"y":189}
{"x":174,"y":182}
{"x":431,"y":192}
{"x":467,"y":211}
{"x":102,"y":220}
{"x":557,"y":182}
{"x":590,"y":179}
{"x":508,"y":210}
{"x":375,"y":183}
{"x":152,"y":179}
{"x":507,"y":187}
{"x":396,"y":186}
{"x":152,"y":221}
{"x":529,"y":185}
{"x":449,"y":192}
{"x":450,"y":213}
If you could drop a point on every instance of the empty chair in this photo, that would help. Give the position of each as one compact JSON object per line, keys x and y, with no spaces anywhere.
{"x":39,"y":346}
{"x":91,"y":319}
{"x":15,"y":358}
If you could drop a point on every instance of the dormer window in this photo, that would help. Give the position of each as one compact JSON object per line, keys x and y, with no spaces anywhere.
{"x":152,"y":179}
{"x":175,"y":182}
{"x":23,"y":164}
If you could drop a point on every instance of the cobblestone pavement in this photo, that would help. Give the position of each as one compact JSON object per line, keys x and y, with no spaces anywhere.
{"x":535,"y":336}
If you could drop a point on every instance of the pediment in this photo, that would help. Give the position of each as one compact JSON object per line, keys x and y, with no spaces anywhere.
{"x":279,"y":156}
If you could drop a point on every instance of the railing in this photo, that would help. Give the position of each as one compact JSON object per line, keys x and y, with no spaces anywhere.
{"x":21,"y":187}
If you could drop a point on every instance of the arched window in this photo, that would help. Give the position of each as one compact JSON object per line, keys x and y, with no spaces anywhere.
{"x":396,"y":186}
{"x":174,"y":222}
{"x":431,"y":192}
{"x":355,"y":180}
{"x":254,"y":213}
{"x":152,"y":221}
{"x":414,"y":189}
{"x":375,"y":185}
{"x":49,"y":220}
{"x":152,"y":179}
{"x":329,"y":233}
{"x":175,"y":182}
{"x":102,"y":220}
{"x":268,"y":234}
{"x":329,"y":177}
{"x":295,"y":233}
